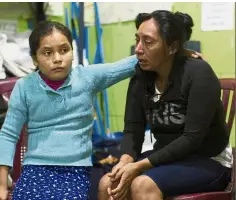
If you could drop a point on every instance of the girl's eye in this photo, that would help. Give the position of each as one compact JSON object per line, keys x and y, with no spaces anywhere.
{"x":47,"y":53}
{"x":64,"y":50}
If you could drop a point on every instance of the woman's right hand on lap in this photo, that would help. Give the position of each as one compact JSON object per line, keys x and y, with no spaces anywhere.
{"x":112,"y":185}
{"x":114,"y":179}
{"x":113,"y":175}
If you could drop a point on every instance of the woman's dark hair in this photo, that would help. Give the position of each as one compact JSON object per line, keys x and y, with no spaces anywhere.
{"x":43,"y":29}
{"x":173,"y":26}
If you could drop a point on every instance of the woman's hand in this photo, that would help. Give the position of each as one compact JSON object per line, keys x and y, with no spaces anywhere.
{"x":114,"y":177}
{"x":111,"y":186}
{"x":116,"y":173}
{"x":128,"y":173}
{"x":115,"y":170}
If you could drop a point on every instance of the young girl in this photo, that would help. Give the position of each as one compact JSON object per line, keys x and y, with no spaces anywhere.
{"x":56,"y":103}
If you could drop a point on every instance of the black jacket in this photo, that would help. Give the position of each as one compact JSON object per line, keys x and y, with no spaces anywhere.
{"x":188,"y":118}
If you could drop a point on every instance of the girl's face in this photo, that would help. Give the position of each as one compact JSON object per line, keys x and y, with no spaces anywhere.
{"x":54,"y":56}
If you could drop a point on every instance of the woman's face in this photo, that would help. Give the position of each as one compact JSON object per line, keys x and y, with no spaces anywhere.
{"x":54,"y":56}
{"x":151,"y":49}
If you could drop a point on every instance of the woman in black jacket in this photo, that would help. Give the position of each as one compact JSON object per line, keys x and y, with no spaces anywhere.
{"x":179,"y":98}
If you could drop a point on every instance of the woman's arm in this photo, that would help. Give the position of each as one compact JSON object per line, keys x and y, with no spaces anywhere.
{"x":135,"y":123}
{"x":135,"y":120}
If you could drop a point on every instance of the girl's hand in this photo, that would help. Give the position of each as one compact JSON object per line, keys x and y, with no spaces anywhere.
{"x":193,"y":54}
{"x":3,"y":193}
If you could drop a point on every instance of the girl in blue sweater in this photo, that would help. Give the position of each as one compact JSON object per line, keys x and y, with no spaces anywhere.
{"x":56,"y":103}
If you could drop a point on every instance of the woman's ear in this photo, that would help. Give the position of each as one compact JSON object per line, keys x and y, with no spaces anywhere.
{"x":174,"y":47}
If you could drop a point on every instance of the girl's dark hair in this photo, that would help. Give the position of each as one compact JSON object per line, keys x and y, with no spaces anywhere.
{"x":173,"y":26}
{"x":43,"y":29}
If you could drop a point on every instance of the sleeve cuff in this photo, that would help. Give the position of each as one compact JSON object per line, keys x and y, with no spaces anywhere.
{"x":7,"y":151}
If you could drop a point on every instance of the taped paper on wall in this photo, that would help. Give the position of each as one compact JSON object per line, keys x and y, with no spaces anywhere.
{"x":217,"y":16}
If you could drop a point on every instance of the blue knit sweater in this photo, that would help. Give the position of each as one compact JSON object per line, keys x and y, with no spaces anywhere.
{"x":59,"y":122}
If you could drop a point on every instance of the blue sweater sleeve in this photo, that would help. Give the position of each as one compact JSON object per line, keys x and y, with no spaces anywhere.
{"x":102,"y":76}
{"x":14,"y":121}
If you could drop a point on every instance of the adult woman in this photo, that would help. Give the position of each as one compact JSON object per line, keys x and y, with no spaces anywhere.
{"x":179,"y":98}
